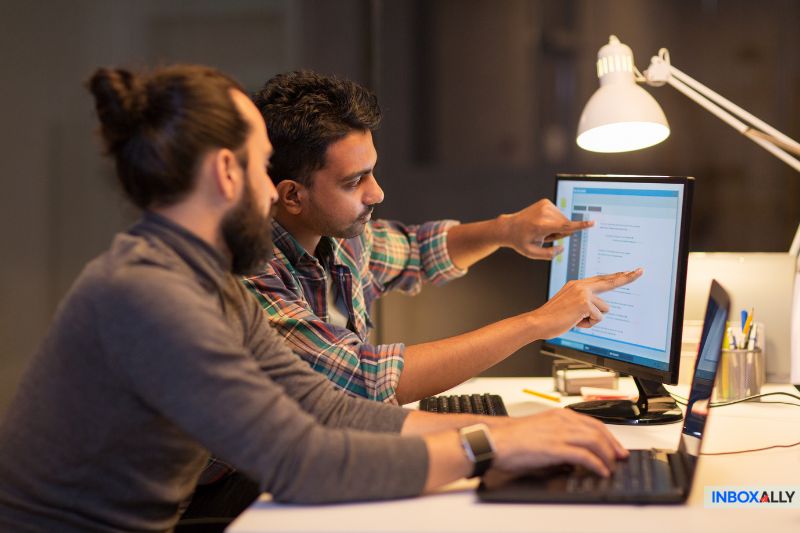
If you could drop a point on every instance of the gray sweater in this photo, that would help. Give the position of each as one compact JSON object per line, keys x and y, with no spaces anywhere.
{"x":157,"y":357}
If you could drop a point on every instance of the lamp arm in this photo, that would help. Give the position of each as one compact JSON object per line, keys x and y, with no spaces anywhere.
{"x":734,"y":122}
{"x":735,"y":109}
{"x":752,"y":132}
{"x":661,"y":71}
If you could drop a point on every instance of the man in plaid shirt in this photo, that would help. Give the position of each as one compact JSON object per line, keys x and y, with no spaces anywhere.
{"x":332,"y":261}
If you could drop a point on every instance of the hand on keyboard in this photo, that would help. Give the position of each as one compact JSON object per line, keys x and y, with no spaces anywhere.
{"x":555,"y":437}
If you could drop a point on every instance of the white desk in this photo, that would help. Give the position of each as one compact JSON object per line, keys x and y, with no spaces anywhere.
{"x":455,"y":507}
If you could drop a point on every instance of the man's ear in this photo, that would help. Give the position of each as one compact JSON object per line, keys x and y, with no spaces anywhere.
{"x":228,"y":174}
{"x":292,"y":196}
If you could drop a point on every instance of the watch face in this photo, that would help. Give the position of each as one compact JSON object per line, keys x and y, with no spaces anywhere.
{"x":479,"y":442}
{"x":478,"y":446}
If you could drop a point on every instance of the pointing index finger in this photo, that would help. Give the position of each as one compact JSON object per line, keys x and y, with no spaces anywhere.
{"x":568,"y":228}
{"x":613,"y":281}
{"x":571,"y":226}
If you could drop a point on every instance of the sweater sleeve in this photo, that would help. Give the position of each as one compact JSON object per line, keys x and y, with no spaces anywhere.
{"x":262,"y":412}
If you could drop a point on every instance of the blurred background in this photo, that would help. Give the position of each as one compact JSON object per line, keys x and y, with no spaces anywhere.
{"x":481,"y":100}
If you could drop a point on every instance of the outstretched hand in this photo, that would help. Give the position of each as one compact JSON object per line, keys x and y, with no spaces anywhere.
{"x":528,"y":230}
{"x":577,"y":304}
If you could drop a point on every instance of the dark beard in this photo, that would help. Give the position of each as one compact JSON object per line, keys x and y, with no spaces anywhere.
{"x":248,"y":235}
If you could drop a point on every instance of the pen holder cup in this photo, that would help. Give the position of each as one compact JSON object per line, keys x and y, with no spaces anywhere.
{"x":741,"y":374}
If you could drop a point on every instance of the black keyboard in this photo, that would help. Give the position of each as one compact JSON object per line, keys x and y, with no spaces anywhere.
{"x":635,"y":474}
{"x":477,"y":404}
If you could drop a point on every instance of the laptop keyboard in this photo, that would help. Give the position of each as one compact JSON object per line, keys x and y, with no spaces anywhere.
{"x":635,"y":475}
{"x":478,"y":404}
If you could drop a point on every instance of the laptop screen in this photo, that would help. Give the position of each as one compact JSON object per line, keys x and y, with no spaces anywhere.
{"x":705,"y":369}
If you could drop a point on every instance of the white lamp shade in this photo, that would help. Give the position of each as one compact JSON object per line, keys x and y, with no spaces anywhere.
{"x":619,"y":117}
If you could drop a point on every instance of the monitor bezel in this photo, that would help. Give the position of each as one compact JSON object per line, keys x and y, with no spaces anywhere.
{"x":670,"y":375}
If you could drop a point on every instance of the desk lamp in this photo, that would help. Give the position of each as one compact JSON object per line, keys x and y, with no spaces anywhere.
{"x":621,"y":116}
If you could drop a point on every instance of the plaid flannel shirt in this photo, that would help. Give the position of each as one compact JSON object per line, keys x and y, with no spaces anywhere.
{"x":386,"y":256}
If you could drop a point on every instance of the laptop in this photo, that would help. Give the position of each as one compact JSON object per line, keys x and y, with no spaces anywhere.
{"x":647,"y":476}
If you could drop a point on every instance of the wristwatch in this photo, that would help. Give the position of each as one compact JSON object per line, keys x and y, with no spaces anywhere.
{"x":478,"y":446}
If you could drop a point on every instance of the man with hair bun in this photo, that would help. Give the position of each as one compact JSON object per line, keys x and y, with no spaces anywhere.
{"x":158,"y":355}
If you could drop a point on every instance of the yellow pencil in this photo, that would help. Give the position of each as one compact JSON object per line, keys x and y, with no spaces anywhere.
{"x":542,"y":395}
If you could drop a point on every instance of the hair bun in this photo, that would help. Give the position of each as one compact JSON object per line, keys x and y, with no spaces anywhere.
{"x":120,"y":100}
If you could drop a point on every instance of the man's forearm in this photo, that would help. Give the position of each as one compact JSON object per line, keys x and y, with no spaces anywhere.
{"x":447,"y":460}
{"x":469,"y":243}
{"x":433,"y":367}
{"x":520,"y":444}
{"x":526,"y":231}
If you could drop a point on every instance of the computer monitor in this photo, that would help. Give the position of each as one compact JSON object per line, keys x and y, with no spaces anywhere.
{"x":640,"y":221}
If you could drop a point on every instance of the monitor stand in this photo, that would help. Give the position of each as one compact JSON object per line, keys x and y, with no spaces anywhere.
{"x":654,"y":406}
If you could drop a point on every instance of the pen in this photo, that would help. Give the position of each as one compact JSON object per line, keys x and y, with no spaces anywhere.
{"x":746,"y":331}
{"x":542,"y":395}
{"x":751,"y":327}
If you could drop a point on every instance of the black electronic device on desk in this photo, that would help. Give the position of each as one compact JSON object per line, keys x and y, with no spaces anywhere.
{"x":477,"y":404}
{"x":647,"y":476}
{"x":640,"y":221}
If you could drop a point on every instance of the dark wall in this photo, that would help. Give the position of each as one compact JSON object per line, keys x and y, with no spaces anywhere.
{"x":481,"y":101}
{"x":60,"y":205}
{"x":496,"y":89}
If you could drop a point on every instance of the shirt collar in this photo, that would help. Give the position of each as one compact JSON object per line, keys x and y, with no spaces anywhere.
{"x":295,"y":253}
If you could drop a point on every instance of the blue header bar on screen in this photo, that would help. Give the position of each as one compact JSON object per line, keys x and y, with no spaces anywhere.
{"x":627,"y":192}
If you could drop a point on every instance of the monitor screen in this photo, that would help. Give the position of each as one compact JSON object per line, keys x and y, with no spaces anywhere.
{"x":639,"y":221}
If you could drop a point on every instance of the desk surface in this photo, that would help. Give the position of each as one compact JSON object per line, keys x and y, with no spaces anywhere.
{"x":455,"y":508}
